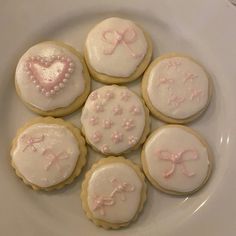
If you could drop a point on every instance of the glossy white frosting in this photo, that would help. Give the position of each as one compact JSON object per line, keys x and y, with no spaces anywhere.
{"x":36,"y":162}
{"x":178,"y":87}
{"x":174,"y":140}
{"x":125,"y":203}
{"x":72,"y":89}
{"x":113,"y":119}
{"x":113,"y":52}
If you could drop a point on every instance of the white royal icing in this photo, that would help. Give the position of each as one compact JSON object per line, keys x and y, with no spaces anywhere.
{"x":114,"y":193}
{"x":178,"y":87}
{"x":46,"y":154}
{"x":49,"y":76}
{"x":176,"y":159}
{"x":116,"y":47}
{"x":113,"y":119}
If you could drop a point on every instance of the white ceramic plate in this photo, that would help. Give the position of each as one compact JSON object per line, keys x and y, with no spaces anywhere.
{"x":204,"y":29}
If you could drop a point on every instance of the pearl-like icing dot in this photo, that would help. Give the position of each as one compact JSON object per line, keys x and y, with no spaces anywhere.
{"x":117,"y":137}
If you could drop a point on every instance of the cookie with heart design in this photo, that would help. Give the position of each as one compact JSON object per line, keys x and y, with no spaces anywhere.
{"x":176,"y":88}
{"x":117,"y":51}
{"x":52,"y":79}
{"x":48,"y":153}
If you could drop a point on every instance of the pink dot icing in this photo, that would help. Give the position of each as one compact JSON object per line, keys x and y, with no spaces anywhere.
{"x":117,"y":110}
{"x":105,"y":149}
{"x":93,"y":96}
{"x":98,"y":107}
{"x":135,"y":110}
{"x":128,"y":124}
{"x":97,"y":137}
{"x":132,"y":140}
{"x":125,"y":95}
{"x":109,"y":95}
{"x":117,"y":137}
{"x":93,"y":120}
{"x":107,"y":124}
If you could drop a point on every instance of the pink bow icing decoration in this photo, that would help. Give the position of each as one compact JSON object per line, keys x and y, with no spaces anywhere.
{"x":54,"y":158}
{"x":178,"y":158}
{"x":30,"y":141}
{"x":115,"y":38}
{"x":100,"y":203}
{"x":121,"y":188}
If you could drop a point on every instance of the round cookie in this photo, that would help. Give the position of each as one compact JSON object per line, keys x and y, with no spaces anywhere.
{"x":114,"y":120}
{"x":176,"y":160}
{"x":52,"y":79}
{"x":176,"y":88}
{"x":48,"y":153}
{"x":113,"y":192}
{"x":117,"y":51}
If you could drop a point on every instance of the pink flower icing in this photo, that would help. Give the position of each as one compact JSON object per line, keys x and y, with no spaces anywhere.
{"x":52,"y":82}
{"x":117,"y":137}
{"x":109,"y":95}
{"x":125,"y":95}
{"x":107,"y":124}
{"x":98,"y":107}
{"x":117,"y":110}
{"x":132,"y":140}
{"x":93,"y":96}
{"x":115,"y":38}
{"x":93,"y":120}
{"x":189,"y":77}
{"x":178,"y":158}
{"x":97,"y":137}
{"x":164,"y":80}
{"x":128,"y":124}
{"x":135,"y":110}
{"x":105,"y":149}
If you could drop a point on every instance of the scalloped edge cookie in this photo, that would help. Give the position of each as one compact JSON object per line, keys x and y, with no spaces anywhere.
{"x":84,"y":194}
{"x":169,"y":191}
{"x":155,"y":112}
{"x":81,"y":144}
{"x":77,"y":103}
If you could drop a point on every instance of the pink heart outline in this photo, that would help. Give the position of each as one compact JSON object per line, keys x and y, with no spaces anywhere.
{"x":46,"y":86}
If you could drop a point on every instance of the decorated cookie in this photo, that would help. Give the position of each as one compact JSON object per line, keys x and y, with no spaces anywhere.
{"x":117,"y":51}
{"x":48,"y":153}
{"x":114,"y":120}
{"x":113,"y":192}
{"x":176,"y":160}
{"x":52,"y":79}
{"x":176,"y":88}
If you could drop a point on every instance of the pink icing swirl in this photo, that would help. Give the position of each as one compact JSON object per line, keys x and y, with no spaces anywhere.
{"x":117,"y":110}
{"x":128,"y":124}
{"x":178,"y":158}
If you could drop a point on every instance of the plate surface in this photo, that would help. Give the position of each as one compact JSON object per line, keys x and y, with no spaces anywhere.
{"x":204,"y":29}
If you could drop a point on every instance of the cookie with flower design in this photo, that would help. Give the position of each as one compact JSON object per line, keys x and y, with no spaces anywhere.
{"x":52,"y":79}
{"x":117,"y":51}
{"x":114,"y":120}
{"x":176,"y":160}
{"x":113,"y":192}
{"x":48,"y":153}
{"x":176,"y":88}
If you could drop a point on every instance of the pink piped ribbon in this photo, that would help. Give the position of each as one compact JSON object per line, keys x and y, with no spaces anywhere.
{"x":178,"y":158}
{"x":30,"y":141}
{"x":100,"y":202}
{"x":53,"y":159}
{"x":115,"y":38}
